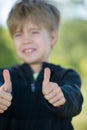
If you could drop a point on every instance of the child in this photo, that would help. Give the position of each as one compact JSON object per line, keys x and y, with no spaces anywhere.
{"x":37,"y":95}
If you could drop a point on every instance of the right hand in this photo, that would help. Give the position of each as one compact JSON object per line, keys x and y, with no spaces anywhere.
{"x":5,"y":92}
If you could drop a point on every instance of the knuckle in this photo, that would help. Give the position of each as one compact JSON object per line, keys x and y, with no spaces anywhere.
{"x":44,"y":91}
{"x":59,"y":89}
{"x":56,"y":85}
{"x":11,"y":97}
{"x":5,"y":108}
{"x":55,"y":105}
{"x":46,"y":97}
{"x":64,"y":100}
{"x":50,"y":101}
{"x":9,"y":103}
{"x":1,"y":111}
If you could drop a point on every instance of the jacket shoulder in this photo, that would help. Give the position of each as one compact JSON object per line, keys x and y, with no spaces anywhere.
{"x":65,"y":75}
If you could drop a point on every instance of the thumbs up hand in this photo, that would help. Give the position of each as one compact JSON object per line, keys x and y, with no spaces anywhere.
{"x":51,"y":91}
{"x":5,"y":92}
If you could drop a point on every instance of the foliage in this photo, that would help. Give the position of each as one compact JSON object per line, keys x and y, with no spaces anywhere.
{"x":71,"y":47}
{"x":7,"y":56}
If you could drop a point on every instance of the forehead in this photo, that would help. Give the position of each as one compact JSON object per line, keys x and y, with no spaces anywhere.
{"x":27,"y":25}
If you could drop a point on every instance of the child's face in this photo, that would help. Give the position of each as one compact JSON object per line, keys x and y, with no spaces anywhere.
{"x":33,"y":44}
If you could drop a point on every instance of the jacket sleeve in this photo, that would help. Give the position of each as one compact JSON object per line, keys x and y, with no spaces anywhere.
{"x":1,"y":77}
{"x":70,"y":84}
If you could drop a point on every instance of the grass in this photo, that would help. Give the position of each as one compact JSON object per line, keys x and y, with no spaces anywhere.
{"x":80,"y":121}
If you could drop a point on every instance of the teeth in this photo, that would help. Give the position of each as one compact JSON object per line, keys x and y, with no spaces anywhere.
{"x":30,"y":50}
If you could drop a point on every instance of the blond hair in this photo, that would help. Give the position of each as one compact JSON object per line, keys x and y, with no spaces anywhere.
{"x":38,"y":12}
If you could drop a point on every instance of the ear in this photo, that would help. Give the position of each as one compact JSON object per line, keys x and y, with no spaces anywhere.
{"x":53,"y":37}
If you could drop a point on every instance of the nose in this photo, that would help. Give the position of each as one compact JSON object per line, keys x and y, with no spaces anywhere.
{"x":27,"y":39}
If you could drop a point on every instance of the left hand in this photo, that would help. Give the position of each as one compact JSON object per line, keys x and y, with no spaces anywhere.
{"x":51,"y":91}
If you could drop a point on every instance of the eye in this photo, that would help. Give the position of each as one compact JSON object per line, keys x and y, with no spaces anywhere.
{"x":35,"y":32}
{"x":17,"y":35}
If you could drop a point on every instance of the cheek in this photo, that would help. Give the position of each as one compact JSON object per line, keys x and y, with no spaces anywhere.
{"x":46,"y":49}
{"x":16,"y":44}
{"x":16,"y":48}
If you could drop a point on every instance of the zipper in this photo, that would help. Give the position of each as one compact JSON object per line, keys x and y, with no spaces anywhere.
{"x":33,"y":87}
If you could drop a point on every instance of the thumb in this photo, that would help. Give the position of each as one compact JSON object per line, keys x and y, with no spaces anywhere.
{"x":46,"y":80}
{"x":7,"y":81}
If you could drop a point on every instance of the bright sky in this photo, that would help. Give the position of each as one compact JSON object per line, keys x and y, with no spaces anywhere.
{"x":5,"y":6}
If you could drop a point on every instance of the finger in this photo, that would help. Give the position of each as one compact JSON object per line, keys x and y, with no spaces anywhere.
{"x":3,"y":107}
{"x":5,"y":95}
{"x":52,"y":90}
{"x":1,"y":111}
{"x":47,"y":90}
{"x":6,"y":76}
{"x":7,"y":81}
{"x":50,"y":96}
{"x":59,"y":103}
{"x":47,"y":73}
{"x":5,"y":102}
{"x":56,"y":98}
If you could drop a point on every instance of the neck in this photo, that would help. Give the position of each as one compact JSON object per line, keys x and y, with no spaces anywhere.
{"x":36,"y":67}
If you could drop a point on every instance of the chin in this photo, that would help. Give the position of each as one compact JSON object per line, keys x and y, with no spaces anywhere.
{"x":30,"y":62}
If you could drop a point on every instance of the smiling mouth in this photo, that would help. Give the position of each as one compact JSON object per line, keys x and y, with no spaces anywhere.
{"x":29,"y":50}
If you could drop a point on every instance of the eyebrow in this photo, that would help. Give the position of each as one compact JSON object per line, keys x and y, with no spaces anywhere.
{"x":34,"y":29}
{"x":31,"y":29}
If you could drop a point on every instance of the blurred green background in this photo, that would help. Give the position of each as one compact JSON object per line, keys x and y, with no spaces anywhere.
{"x":69,"y":51}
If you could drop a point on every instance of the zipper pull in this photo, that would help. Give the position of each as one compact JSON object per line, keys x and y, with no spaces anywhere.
{"x":33,"y":87}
